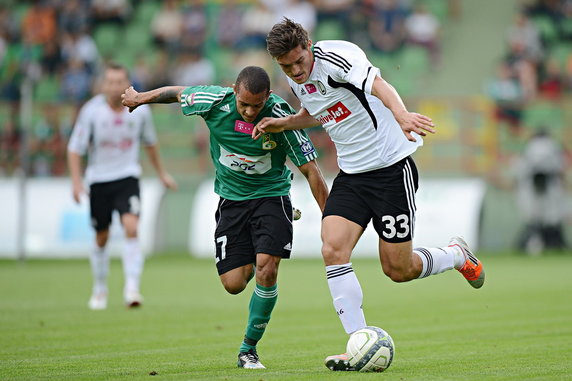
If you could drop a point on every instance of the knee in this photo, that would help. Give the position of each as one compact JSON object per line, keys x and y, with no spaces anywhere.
{"x":131,"y":232}
{"x":333,"y":255}
{"x":397,"y":274}
{"x":234,"y":288}
{"x":267,"y":273}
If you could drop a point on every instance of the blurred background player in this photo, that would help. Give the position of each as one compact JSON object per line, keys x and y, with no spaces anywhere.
{"x":374,"y":136}
{"x":112,"y":136}
{"x":254,"y":215}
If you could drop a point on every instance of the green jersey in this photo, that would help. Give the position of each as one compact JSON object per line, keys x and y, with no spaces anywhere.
{"x":247,"y":168}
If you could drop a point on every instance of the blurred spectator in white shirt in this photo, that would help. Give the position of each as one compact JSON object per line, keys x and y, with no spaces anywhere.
{"x":423,"y":30}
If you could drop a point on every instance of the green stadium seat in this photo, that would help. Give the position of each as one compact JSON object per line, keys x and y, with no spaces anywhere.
{"x":414,"y":59}
{"x":47,"y":90}
{"x":328,"y":30}
{"x":108,"y":39}
{"x":547,"y":29}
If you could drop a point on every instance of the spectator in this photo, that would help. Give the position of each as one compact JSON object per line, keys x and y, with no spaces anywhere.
{"x":523,"y":69}
{"x":192,"y":69}
{"x":10,"y":139}
{"x":80,"y":46}
{"x":386,"y":27}
{"x":256,"y":24}
{"x":552,"y":82}
{"x":525,"y":33}
{"x":423,"y":30}
{"x":340,"y":11}
{"x":167,"y":27}
{"x":230,"y":16}
{"x":51,"y":60}
{"x":303,"y":12}
{"x":541,"y":197}
{"x":73,"y":17}
{"x":76,"y":83}
{"x":39,"y":24}
{"x":110,"y":11}
{"x":194,"y":33}
{"x":508,"y":96}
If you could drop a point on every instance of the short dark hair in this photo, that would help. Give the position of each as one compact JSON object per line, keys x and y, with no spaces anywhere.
{"x":116,"y":66}
{"x":254,"y":79}
{"x":285,"y":36}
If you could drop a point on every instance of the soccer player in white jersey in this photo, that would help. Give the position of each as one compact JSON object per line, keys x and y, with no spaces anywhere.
{"x":374,"y":135}
{"x":111,"y":136}
{"x":254,"y":214}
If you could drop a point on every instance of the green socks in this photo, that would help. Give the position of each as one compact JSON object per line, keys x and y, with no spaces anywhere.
{"x":261,"y":305}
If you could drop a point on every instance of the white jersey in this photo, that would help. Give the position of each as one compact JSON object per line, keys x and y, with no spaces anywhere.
{"x":113,"y":139}
{"x":338,"y":95}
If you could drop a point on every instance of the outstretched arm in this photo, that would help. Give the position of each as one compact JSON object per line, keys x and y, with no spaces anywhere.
{"x":318,"y":186}
{"x":168,"y":94}
{"x":409,"y":121}
{"x":298,"y":121}
{"x":164,"y":176}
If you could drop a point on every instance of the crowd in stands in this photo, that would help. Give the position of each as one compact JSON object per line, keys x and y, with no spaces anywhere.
{"x":54,"y":44}
{"x":538,"y":60}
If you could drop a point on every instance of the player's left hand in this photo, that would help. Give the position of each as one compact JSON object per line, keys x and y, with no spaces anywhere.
{"x":414,"y":122}
{"x":168,"y":181}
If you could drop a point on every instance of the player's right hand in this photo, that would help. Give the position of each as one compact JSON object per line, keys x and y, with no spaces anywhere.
{"x":267,"y":125}
{"x":129,"y":98}
{"x":78,"y":190}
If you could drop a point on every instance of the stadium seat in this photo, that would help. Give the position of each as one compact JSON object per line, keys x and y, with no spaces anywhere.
{"x":547,"y":29}
{"x":47,"y":90}
{"x":108,"y":39}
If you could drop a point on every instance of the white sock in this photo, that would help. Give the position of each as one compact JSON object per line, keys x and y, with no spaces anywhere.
{"x":99,"y":260}
{"x":132,"y":264}
{"x":347,"y":296}
{"x":437,"y":259}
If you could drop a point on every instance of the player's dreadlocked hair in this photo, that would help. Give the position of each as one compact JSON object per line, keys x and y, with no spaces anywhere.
{"x":254,"y":79}
{"x":285,"y":36}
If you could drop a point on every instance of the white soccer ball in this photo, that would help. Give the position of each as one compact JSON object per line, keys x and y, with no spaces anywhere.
{"x":370,"y":349}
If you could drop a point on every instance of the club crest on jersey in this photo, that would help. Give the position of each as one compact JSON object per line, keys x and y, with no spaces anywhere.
{"x":267,"y":142}
{"x":322,"y":88}
{"x":337,"y":113}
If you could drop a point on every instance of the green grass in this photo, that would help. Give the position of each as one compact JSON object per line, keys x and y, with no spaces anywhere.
{"x":518,"y":326}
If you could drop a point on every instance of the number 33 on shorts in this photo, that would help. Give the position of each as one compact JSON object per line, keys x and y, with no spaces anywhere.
{"x":396,"y":226}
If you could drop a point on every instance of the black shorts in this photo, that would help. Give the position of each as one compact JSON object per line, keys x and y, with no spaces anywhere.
{"x":246,"y":228}
{"x":121,"y":195}
{"x":386,"y":196}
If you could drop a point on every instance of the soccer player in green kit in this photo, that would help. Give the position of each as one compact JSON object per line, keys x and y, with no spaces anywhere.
{"x":254,"y":214}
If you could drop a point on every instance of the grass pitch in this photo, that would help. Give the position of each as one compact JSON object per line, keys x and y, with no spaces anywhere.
{"x":517,"y":327}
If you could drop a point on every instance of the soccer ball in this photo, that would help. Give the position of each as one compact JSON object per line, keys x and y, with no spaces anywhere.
{"x":370,"y":350}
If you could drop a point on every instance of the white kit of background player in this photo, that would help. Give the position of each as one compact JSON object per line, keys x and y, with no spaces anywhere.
{"x":111,"y":137}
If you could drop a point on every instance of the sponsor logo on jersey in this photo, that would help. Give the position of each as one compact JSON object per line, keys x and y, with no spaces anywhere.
{"x":267,"y":142}
{"x":225,"y":108}
{"x":244,"y":163}
{"x":245,"y":128}
{"x":322,"y":88}
{"x":123,"y":144}
{"x":337,"y":113}
{"x":307,"y":148}
{"x":191,"y":99}
{"x":310,"y":88}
